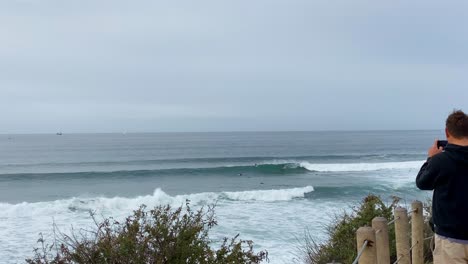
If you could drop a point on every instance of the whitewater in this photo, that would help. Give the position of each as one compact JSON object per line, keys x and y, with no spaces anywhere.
{"x":267,"y":187}
{"x":23,"y":222}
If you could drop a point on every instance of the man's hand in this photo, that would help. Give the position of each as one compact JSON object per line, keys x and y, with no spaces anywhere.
{"x":433,"y":150}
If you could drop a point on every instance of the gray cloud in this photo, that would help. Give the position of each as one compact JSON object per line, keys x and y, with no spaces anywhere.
{"x":88,"y":66}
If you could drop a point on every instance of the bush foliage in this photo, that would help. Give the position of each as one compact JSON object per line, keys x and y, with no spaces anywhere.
{"x":161,"y":235}
{"x":341,"y":245}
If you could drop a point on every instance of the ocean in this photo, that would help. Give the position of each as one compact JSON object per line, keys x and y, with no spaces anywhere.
{"x":269,"y":187}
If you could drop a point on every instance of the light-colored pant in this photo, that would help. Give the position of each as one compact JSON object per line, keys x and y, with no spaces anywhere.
{"x":447,"y":252}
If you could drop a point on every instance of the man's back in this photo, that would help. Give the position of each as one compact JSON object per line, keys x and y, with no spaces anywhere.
{"x":447,"y":174}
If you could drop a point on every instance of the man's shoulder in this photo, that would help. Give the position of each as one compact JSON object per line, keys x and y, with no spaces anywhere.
{"x":437,"y":158}
{"x":443,"y":156}
{"x":442,"y":159}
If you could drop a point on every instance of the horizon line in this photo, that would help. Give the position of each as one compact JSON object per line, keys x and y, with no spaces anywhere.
{"x":239,"y":131}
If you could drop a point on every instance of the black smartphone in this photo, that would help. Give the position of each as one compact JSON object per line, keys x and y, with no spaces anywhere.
{"x":442,"y":143}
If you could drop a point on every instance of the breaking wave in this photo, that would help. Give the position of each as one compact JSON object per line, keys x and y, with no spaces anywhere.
{"x":337,"y":167}
{"x":159,"y":197}
{"x":270,"y":168}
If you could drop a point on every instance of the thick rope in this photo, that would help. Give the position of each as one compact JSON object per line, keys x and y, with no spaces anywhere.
{"x":393,"y":221}
{"x":407,"y":254}
{"x":361,"y":251}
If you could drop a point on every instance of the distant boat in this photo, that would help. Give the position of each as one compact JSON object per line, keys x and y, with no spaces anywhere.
{"x":59,"y":133}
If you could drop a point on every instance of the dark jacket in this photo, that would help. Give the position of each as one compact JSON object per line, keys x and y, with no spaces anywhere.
{"x":447,"y":174}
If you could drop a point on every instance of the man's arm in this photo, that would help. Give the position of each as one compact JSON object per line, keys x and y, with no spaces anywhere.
{"x":427,"y":176}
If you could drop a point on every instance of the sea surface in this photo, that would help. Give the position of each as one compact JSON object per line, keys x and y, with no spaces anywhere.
{"x":269,"y":187}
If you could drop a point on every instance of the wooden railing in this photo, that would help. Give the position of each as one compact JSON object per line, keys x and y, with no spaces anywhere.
{"x":373,"y":242}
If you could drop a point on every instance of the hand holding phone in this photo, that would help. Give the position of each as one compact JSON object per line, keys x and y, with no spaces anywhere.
{"x":436,"y":148}
{"x":442,"y":143}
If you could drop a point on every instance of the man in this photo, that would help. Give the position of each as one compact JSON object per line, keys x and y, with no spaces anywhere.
{"x":446,"y":172}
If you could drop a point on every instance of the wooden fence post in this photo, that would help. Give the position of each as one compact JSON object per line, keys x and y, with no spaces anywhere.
{"x":417,"y":233}
{"x":401,"y":235}
{"x":369,"y":255}
{"x":381,"y":237}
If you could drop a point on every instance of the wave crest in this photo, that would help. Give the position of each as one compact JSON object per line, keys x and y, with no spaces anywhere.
{"x":280,"y":167}
{"x":270,"y":195}
{"x":343,"y":167}
{"x":159,"y":197}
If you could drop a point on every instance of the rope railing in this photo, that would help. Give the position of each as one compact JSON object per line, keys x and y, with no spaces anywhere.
{"x":375,"y":240}
{"x":396,"y":218}
{"x":406,"y":254}
{"x":417,"y":242}
{"x":364,"y":245}
{"x":398,"y":259}
{"x":393,"y":221}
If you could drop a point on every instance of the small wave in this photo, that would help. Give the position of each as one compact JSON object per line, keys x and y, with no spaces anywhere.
{"x":267,"y":168}
{"x":344,"y":167}
{"x":212,"y":160}
{"x":159,"y":197}
{"x":269,"y":195}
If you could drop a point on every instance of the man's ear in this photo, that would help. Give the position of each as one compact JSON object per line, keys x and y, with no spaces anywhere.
{"x":447,"y":133}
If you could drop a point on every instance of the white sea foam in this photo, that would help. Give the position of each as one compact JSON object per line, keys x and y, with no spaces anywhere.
{"x":279,"y":213}
{"x":270,"y":195}
{"x":343,"y":167}
{"x":159,"y":197}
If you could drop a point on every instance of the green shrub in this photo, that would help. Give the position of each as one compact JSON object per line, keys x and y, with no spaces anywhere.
{"x":161,"y":235}
{"x":341,"y":245}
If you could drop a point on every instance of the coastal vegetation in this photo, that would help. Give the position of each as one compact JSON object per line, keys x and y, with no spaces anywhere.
{"x":180,"y":235}
{"x":159,"y":235}
{"x":341,"y":244}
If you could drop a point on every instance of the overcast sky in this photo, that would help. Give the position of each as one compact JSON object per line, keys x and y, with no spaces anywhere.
{"x":114,"y":66}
